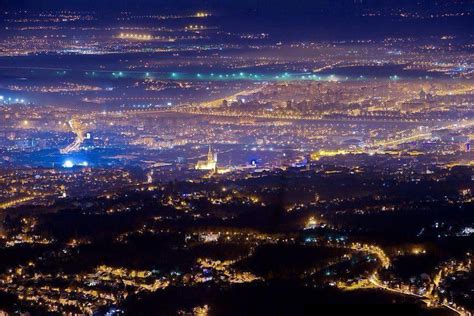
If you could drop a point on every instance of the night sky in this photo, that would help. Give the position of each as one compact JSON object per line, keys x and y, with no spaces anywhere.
{"x":270,"y":7}
{"x":299,"y":19}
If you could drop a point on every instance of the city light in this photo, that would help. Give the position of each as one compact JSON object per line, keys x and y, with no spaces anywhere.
{"x":189,"y":157}
{"x":68,"y":164}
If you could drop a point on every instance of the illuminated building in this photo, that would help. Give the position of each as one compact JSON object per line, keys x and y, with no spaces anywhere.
{"x":326,"y":153}
{"x":210,"y":163}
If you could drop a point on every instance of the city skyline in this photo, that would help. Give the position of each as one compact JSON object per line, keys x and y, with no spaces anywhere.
{"x":187,"y":157}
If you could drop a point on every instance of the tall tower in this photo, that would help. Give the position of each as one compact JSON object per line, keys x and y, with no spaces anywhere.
{"x":210,"y":154}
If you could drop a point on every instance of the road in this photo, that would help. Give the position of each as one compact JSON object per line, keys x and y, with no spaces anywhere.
{"x":423,"y":135}
{"x":376,"y":282}
{"x":15,"y":202}
{"x":78,"y":129}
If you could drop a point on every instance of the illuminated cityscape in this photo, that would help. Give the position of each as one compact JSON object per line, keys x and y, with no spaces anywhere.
{"x":163,"y":157}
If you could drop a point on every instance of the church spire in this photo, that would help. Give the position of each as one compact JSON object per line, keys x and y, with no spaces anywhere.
{"x":210,"y":155}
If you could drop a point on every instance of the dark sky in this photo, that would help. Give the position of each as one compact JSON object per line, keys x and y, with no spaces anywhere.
{"x":341,"y":18}
{"x":265,"y":6}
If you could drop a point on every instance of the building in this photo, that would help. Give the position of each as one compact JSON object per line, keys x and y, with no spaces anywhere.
{"x":210,"y":163}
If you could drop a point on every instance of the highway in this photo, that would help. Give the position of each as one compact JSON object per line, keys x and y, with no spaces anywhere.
{"x":231,"y":98}
{"x":282,"y":117}
{"x":422,"y":135}
{"x":294,"y":117}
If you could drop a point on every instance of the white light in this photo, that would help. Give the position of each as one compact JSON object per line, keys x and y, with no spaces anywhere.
{"x":68,"y":164}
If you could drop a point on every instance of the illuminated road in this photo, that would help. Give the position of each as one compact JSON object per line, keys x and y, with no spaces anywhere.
{"x":231,"y":98}
{"x":15,"y":202}
{"x":293,"y":117}
{"x":385,"y":263}
{"x":422,"y":135}
{"x":374,"y":250}
{"x":77,"y":129}
{"x":327,"y":67}
{"x":282,"y":117}
{"x":376,"y":282}
{"x":226,"y":75}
